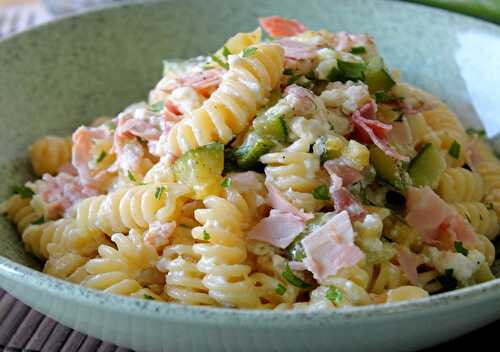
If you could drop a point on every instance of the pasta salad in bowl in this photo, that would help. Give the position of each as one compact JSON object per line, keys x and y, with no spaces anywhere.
{"x":294,"y":171}
{"x":291,"y":171}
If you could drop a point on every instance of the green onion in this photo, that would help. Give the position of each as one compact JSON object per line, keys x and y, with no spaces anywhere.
{"x":39,"y":221}
{"x":475,"y":132}
{"x":280,"y":289}
{"x":225,"y":52}
{"x":146,"y":296}
{"x":321,"y":193}
{"x":454,"y":150}
{"x":334,"y":295}
{"x":157,"y":107}
{"x":247,"y":52}
{"x":159,"y":191}
{"x":226,"y":183}
{"x":101,"y":157}
{"x":447,"y":280}
{"x":459,"y":247}
{"x":358,"y":50}
{"x":294,"y":280}
{"x":351,"y":70}
{"x":206,"y":235}
{"x":130,"y":176}
{"x":23,"y":191}
{"x":294,"y":78}
{"x":220,"y":62}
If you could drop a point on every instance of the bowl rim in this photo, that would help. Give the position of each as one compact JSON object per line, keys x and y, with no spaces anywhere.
{"x":20,"y":275}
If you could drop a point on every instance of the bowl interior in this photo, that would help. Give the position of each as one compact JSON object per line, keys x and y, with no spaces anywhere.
{"x":64,"y":74}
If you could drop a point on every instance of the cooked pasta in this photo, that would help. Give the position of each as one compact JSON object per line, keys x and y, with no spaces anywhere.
{"x":460,"y":185}
{"x":230,"y":108}
{"x":281,"y":172}
{"x":48,"y":154}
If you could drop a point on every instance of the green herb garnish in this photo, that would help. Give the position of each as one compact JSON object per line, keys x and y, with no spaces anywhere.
{"x":131,"y":176}
{"x":159,"y":191}
{"x":39,"y":221}
{"x":225,"y":52}
{"x":247,"y":52}
{"x":321,"y":193}
{"x":220,"y":62}
{"x":459,"y":247}
{"x":447,"y":280}
{"x":226,"y":183}
{"x":476,"y":132}
{"x":23,"y":191}
{"x":454,"y":150}
{"x":294,"y":78}
{"x":334,"y":295}
{"x":280,"y":289}
{"x":101,"y":157}
{"x":358,"y":50}
{"x":294,"y":280}
{"x":148,"y":297}
{"x":206,"y":235}
{"x":157,"y":107}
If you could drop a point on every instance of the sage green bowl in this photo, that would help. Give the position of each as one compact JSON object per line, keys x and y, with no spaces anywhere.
{"x":60,"y":75}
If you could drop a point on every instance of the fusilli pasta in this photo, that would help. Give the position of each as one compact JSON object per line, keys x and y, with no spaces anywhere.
{"x":49,"y":153}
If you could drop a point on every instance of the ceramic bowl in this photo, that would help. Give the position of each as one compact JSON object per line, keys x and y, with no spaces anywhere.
{"x":60,"y":75}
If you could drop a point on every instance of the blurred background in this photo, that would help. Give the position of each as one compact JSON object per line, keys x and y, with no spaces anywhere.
{"x":16,"y":15}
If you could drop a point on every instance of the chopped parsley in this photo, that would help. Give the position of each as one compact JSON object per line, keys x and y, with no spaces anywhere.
{"x":157,"y":107}
{"x":131,"y":176}
{"x":206,"y":235}
{"x":159,"y":191}
{"x":247,"y":52}
{"x":447,"y":280}
{"x":294,"y":280}
{"x":321,"y":193}
{"x":101,"y":157}
{"x":293,"y":78}
{"x":459,"y":247}
{"x":475,"y":132}
{"x":39,"y":221}
{"x":358,"y":50}
{"x":226,"y":183}
{"x":221,"y":63}
{"x":23,"y":191}
{"x":280,"y":289}
{"x":454,"y":150}
{"x":148,"y":297}
{"x":334,"y":295}
{"x":225,"y":52}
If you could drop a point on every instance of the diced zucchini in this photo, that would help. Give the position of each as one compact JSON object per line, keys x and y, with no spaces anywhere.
{"x":426,"y":168}
{"x":272,"y":127}
{"x":376,"y":76}
{"x":329,"y":147}
{"x":296,"y":250}
{"x":201,"y":168}
{"x":248,"y":153}
{"x":349,"y":70}
{"x":389,"y":169}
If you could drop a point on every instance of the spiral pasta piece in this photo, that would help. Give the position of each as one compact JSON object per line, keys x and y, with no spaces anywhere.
{"x":460,"y":185}
{"x":231,"y":107}
{"x":449,"y":130}
{"x":69,"y":266}
{"x":295,"y":172}
{"x":131,"y":208}
{"x":226,"y":277}
{"x":49,"y":153}
{"x":124,"y":270}
{"x":19,"y":211}
{"x":183,"y":282}
{"x":483,"y":220}
{"x":488,"y":167}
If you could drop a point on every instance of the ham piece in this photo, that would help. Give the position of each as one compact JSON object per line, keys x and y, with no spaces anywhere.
{"x":279,"y":202}
{"x":278,"y":229}
{"x":435,"y":220}
{"x":296,"y":50}
{"x":331,"y":248}
{"x":278,"y":26}
{"x":408,"y":264}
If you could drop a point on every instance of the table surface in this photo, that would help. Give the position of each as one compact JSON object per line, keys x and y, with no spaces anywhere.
{"x":24,"y":329}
